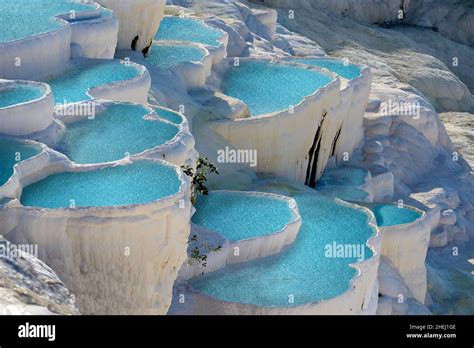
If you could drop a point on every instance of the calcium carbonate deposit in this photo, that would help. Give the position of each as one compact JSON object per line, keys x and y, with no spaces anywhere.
{"x":189,"y":157}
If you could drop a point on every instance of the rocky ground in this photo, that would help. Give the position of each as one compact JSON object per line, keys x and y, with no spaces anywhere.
{"x":460,"y":127}
{"x":28,"y":286}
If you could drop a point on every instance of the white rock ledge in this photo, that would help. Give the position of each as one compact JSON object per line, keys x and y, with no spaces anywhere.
{"x":219,"y":52}
{"x":406,"y":246}
{"x":94,"y":38}
{"x":361,"y":297}
{"x":138,"y":19}
{"x":192,"y":74}
{"x":30,"y":116}
{"x":249,"y":249}
{"x":36,"y":56}
{"x":86,"y":246}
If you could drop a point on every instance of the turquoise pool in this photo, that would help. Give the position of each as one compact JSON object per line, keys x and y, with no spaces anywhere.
{"x":11,"y":152}
{"x":72,"y":86}
{"x":343,"y":182}
{"x":170,"y":56}
{"x":188,"y":30}
{"x":343,"y":176}
{"x":266,"y":87}
{"x":169,"y":115}
{"x":23,"y":18}
{"x":120,"y":129}
{"x":346,"y":193}
{"x":17,"y":94}
{"x":139,"y":183}
{"x":391,"y":214}
{"x":349,"y":71}
{"x":240,"y":216}
{"x":303,"y":270}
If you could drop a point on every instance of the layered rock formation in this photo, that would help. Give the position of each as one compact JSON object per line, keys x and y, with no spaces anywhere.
{"x":139,"y":21}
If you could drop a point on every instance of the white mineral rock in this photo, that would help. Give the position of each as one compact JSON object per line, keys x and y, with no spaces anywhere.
{"x":139,"y":21}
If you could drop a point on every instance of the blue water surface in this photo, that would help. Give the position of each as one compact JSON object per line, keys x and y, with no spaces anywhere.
{"x":118,"y":131}
{"x":17,"y":94}
{"x":139,"y":183}
{"x":349,"y":71}
{"x":72,"y":86}
{"x":238,"y":216}
{"x":23,"y":18}
{"x":303,"y":272}
{"x":169,"y":56}
{"x":267,"y":87}
{"x":391,"y":214}
{"x":169,"y":115}
{"x":188,"y":30}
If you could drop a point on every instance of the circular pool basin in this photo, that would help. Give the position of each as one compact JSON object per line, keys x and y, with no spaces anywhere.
{"x":138,"y":183}
{"x":344,"y":182}
{"x":240,"y":216}
{"x":16,"y":93}
{"x":175,"y":28}
{"x":344,"y":176}
{"x":167,"y":56}
{"x":20,"y":19}
{"x":348,"y":71}
{"x":13,"y":151}
{"x":268,"y":87}
{"x":392,"y":215}
{"x":304,"y":271}
{"x":73,"y":85}
{"x":113,"y":134}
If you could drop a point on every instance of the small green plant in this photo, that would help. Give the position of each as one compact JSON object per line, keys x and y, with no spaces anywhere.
{"x":204,"y":167}
{"x":197,"y":255}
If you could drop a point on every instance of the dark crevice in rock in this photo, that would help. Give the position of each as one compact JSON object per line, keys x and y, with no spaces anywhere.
{"x":134,"y":43}
{"x":312,"y":169}
{"x":334,"y":143}
{"x":146,"y":50}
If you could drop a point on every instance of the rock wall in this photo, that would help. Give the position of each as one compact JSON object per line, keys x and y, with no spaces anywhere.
{"x":297,"y":143}
{"x":406,"y":247}
{"x":115,"y":260}
{"x":395,"y":298}
{"x":367,"y":11}
{"x":94,"y":38}
{"x":36,"y":56}
{"x":139,"y":21}
{"x":452,"y":19}
{"x":28,"y":286}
